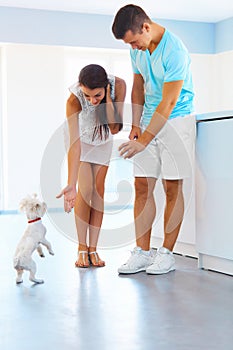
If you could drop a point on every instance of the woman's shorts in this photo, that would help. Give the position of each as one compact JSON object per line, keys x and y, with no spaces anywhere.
{"x":170,"y":155}
{"x":97,"y":154}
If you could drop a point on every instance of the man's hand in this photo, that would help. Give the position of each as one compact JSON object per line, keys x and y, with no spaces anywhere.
{"x":69,"y":193}
{"x":130,"y":148}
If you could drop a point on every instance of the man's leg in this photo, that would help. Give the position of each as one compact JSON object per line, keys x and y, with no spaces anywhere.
{"x":173,"y":216}
{"x":144,"y":210}
{"x":174,"y":211}
{"x":144,"y":213}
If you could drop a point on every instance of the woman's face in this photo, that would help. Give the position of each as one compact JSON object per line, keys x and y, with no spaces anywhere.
{"x":95,"y":96}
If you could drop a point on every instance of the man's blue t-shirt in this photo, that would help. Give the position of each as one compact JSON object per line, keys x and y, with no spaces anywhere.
{"x":169,"y":62}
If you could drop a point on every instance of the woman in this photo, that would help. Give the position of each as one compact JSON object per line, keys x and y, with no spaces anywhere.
{"x":94,"y":113}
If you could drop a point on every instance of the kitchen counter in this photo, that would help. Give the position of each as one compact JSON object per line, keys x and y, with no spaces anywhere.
{"x":214,"y":115}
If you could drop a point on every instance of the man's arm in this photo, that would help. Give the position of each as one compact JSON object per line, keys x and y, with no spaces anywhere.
{"x":138,"y":99}
{"x":170,"y":95}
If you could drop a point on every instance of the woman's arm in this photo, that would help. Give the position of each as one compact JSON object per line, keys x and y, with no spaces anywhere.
{"x":114,"y":109}
{"x":73,"y":108}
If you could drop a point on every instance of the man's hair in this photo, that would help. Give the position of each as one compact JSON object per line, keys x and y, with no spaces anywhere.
{"x":129,"y":17}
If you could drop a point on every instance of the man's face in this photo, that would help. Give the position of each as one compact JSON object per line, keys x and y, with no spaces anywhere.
{"x":139,"y":41}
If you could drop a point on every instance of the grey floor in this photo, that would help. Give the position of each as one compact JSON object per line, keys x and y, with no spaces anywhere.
{"x":97,"y":309}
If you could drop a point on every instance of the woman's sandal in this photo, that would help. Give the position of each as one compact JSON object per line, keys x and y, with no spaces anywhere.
{"x":83,"y":263}
{"x":95,"y":259}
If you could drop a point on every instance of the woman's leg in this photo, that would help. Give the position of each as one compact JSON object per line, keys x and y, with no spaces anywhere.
{"x":97,"y":210}
{"x":82,"y":210}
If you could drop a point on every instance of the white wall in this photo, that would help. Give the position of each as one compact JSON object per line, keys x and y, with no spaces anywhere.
{"x":223,"y":91}
{"x":1,"y":131}
{"x":212,"y":78}
{"x":203,"y":79}
{"x":33,"y":108}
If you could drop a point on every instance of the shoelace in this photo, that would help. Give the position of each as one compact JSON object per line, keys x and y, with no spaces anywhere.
{"x":158,"y":257}
{"x":133,"y":252}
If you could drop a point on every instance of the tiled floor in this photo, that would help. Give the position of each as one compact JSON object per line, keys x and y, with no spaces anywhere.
{"x":88,"y":309}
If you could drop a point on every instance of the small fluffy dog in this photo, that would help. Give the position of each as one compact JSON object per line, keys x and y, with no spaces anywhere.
{"x":32,"y":239}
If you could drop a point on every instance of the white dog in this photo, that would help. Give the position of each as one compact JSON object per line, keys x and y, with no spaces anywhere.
{"x":34,"y":235}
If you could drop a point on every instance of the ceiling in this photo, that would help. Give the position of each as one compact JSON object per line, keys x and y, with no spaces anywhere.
{"x":189,"y":10}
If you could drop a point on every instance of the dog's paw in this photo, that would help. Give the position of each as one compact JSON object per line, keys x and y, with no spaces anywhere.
{"x":37,"y":281}
{"x":51,"y":252}
{"x":18,"y":281}
{"x":42,"y":255}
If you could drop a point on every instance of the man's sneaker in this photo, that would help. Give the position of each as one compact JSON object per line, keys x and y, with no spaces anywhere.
{"x":137,"y":262}
{"x":163,"y":262}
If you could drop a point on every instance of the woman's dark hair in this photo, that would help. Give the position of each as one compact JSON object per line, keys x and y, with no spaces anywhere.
{"x":94,"y":76}
{"x":129,"y":17}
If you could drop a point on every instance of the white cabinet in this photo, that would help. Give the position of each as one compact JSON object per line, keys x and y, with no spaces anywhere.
{"x":214,"y":193}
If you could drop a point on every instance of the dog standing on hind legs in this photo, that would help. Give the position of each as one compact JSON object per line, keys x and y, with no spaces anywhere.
{"x":32,"y":238}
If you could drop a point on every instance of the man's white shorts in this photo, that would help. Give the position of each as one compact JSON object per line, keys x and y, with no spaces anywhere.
{"x":170,"y":155}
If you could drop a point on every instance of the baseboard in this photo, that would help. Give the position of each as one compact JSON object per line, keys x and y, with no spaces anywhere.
{"x":214,"y":263}
{"x":182,"y":248}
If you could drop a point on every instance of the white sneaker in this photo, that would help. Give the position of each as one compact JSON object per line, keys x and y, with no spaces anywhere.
{"x":163,"y":262}
{"x":137,"y":262}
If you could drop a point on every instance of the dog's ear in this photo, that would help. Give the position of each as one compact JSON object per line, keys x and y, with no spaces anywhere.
{"x":44,"y":208}
{"x":23,"y":204}
{"x":44,"y":205}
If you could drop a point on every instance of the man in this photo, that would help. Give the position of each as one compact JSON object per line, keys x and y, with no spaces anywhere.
{"x":162,"y":137}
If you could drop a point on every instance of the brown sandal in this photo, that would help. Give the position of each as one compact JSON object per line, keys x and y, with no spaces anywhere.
{"x":83,"y":263}
{"x":96,"y":262}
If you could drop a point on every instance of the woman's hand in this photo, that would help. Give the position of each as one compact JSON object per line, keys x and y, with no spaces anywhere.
{"x":108,"y":94}
{"x":69,"y":193}
{"x":135,"y":133}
